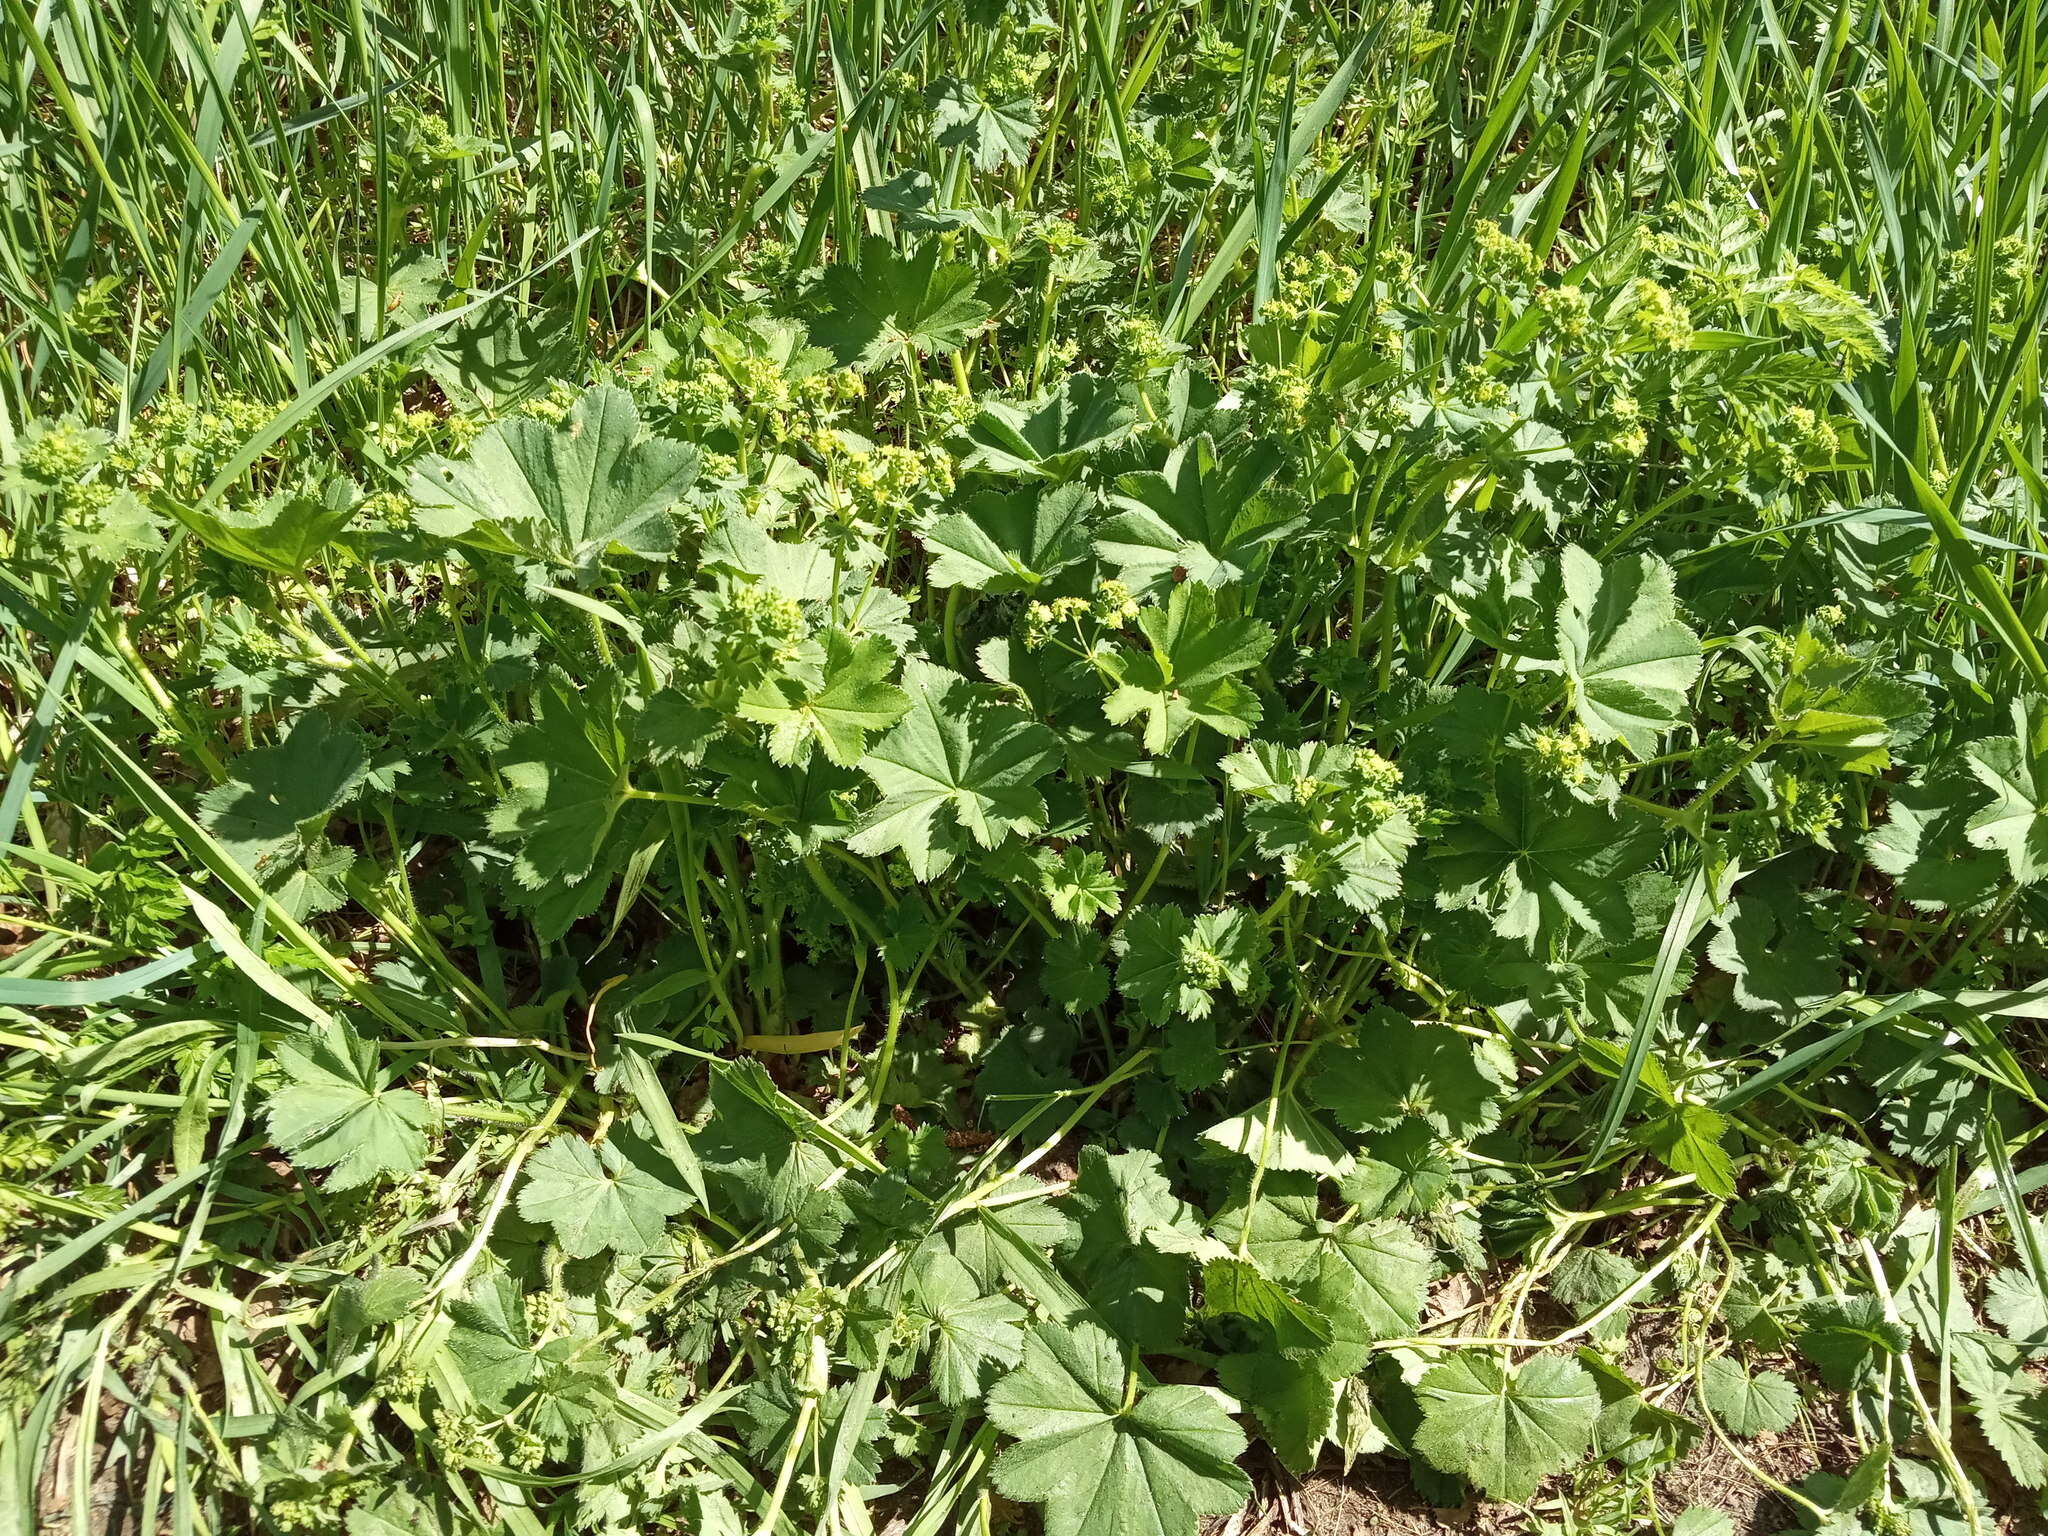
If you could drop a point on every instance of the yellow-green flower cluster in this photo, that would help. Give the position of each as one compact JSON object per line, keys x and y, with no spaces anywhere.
{"x":1806,"y":809}
{"x":1200,"y":965}
{"x":1317,"y":281}
{"x":767,"y":614}
{"x":386,"y":509}
{"x":1138,"y":346}
{"x":1375,"y":796}
{"x":54,"y":454}
{"x":1016,"y":68}
{"x":1476,"y":385}
{"x":1503,"y":261}
{"x":1114,"y":605}
{"x":1041,"y":619}
{"x":402,"y":433}
{"x":1279,"y":396}
{"x":1658,"y":317}
{"x":1561,"y":755}
{"x":1623,"y":433}
{"x":553,"y":406}
{"x":1802,"y":441}
{"x":1570,"y":311}
{"x":891,"y":479}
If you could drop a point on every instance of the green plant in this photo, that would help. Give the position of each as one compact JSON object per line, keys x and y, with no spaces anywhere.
{"x":784,"y":768}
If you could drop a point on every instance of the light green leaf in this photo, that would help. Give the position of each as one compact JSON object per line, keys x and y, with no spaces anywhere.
{"x":1077,"y":885}
{"x":1587,"y":1280}
{"x":1187,"y":676}
{"x":1381,"y":1270}
{"x":1144,"y":1209}
{"x":1688,"y":1139}
{"x":762,"y":1160}
{"x":561,"y":494}
{"x":491,"y":1342}
{"x":1051,"y":438}
{"x":1200,"y":519}
{"x":2011,"y":1406}
{"x":274,"y":792}
{"x":408,"y":293}
{"x":2015,"y":822}
{"x":566,"y":784}
{"x":338,"y":1112}
{"x":959,"y":765}
{"x":971,"y":1333}
{"x":1295,"y":1404}
{"x":1239,"y":1287}
{"x":1330,"y":814}
{"x":869,"y":311}
{"x":113,"y":532}
{"x":992,"y":134}
{"x":597,"y":1198}
{"x":358,"y":1305}
{"x":1813,"y":304}
{"x":283,"y":533}
{"x":1770,"y":938}
{"x":1367,"y":1279}
{"x":1627,"y":658}
{"x":1542,"y":863}
{"x":1009,"y":541}
{"x":396,"y":1511}
{"x":1283,"y":1136}
{"x":1169,"y":963}
{"x":1131,"y":1244}
{"x":1396,"y":1068}
{"x":1504,"y":1429}
{"x":1748,"y":1405}
{"x":833,"y":695}
{"x":1836,"y":703}
{"x":1100,"y":1468}
{"x":2016,"y":1305}
{"x":1849,"y":1338}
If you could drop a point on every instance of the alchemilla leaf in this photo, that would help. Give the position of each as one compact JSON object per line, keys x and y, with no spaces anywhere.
{"x":1295,"y":1404}
{"x":973,"y":1335}
{"x":275,"y":791}
{"x":1627,"y":656}
{"x":991,"y":133}
{"x":1395,"y":1068}
{"x":566,"y":781}
{"x":597,"y":1198}
{"x":563,"y":494}
{"x":1010,"y":541}
{"x":1199,"y":519}
{"x":1542,"y":864}
{"x":877,"y":308}
{"x":1848,"y":1338}
{"x":1748,"y":1405}
{"x":1102,"y":1460}
{"x":957,"y":769}
{"x":2015,"y":770}
{"x":1170,"y":962}
{"x":1506,"y":1428}
{"x":1188,"y":676}
{"x":834,"y":696}
{"x":336,"y":1111}
{"x":1053,"y":437}
{"x":1368,"y":1278}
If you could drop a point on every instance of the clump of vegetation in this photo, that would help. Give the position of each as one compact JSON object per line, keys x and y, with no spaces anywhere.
{"x":851,"y":768}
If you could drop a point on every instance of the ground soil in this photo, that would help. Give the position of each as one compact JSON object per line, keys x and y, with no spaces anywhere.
{"x":1375,"y":1498}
